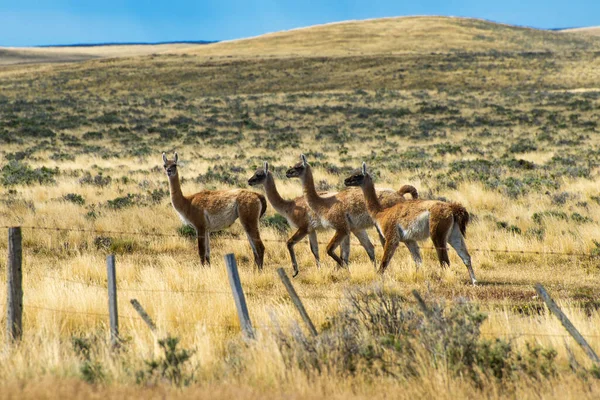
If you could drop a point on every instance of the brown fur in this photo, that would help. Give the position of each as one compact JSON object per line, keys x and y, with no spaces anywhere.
{"x":213,"y":210}
{"x":345,"y":211}
{"x":410,"y":189}
{"x":462,"y":217}
{"x":407,"y":222}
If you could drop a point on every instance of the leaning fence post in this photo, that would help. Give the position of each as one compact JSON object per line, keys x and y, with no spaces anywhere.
{"x":140,"y":310}
{"x":296,"y":300}
{"x":14,"y":304}
{"x":421,"y":303}
{"x":566,"y":323}
{"x":238,"y":295}
{"x":112,"y":300}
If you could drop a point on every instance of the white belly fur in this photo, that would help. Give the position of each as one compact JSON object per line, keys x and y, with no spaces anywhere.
{"x":184,"y":219}
{"x":417,"y":229}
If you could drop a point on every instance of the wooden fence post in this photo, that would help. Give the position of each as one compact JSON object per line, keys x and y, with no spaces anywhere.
{"x":14,"y":304}
{"x":140,"y":310}
{"x":112,"y":299}
{"x":296,"y":300}
{"x":566,"y":323}
{"x":421,"y":303}
{"x":238,"y":295}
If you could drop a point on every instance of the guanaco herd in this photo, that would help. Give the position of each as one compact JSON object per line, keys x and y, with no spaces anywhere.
{"x":350,"y":211}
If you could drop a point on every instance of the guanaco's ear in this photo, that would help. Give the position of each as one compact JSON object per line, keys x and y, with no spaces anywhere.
{"x":364,"y":168}
{"x":303,"y":158}
{"x":266,"y":167}
{"x":164,"y":158}
{"x":176,"y":157}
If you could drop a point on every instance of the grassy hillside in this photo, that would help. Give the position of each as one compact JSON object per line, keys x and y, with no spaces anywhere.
{"x":42,"y":55}
{"x":590,"y":30}
{"x":401,"y":35}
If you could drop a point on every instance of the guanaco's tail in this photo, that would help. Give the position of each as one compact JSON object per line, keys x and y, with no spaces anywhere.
{"x":461,"y":217}
{"x":263,"y":203}
{"x":409,"y":189}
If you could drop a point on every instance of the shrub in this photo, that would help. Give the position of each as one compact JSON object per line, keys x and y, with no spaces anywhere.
{"x":93,"y":135}
{"x":187,"y":231}
{"x":18,"y":173}
{"x":37,"y":131}
{"x":74,"y":198}
{"x":522,"y":146}
{"x":447,"y":148}
{"x":277,"y":222}
{"x":91,"y":370}
{"x":156,"y":195}
{"x":227,"y":174}
{"x":115,"y":245}
{"x":121,"y":202}
{"x":538,"y":218}
{"x":98,"y":180}
{"x":381,"y":334}
{"x":580,"y":219}
{"x":172,"y":366}
{"x":511,"y":228}
{"x":108,"y":118}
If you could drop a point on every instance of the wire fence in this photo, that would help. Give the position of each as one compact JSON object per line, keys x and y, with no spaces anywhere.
{"x":316,"y":296}
{"x":278,"y":327}
{"x":591,"y":255}
{"x":501,"y":305}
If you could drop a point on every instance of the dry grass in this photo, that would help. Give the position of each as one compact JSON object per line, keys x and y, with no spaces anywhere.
{"x":398,"y":35}
{"x":44,"y":55}
{"x":589,"y":30}
{"x":523,"y":159}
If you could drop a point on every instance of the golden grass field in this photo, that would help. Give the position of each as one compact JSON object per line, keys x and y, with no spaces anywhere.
{"x":502,"y":119}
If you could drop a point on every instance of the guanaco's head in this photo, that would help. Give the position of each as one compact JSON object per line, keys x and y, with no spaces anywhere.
{"x":260,"y":176}
{"x":298,"y":170}
{"x":359,"y":177}
{"x":170,"y":165}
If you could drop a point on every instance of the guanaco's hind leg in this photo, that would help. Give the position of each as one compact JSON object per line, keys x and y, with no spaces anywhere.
{"x":457,"y":241}
{"x":249,"y":215}
{"x":314,"y":246}
{"x":345,"y":250}
{"x":439,"y":230}
{"x":296,"y":237}
{"x":335,"y":241}
{"x":391,"y":244}
{"x":415,"y":252}
{"x":207,"y":246}
{"x":364,"y":240}
{"x":203,"y":249}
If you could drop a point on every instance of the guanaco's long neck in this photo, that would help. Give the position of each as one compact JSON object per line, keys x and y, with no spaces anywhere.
{"x":176,"y":195}
{"x":279,"y":203}
{"x":310,"y":192}
{"x":371,"y":199}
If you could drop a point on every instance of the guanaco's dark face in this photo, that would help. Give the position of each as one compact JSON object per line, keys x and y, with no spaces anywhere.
{"x":298,"y":169}
{"x":358,"y":177}
{"x":260,"y":176}
{"x":170,"y":166}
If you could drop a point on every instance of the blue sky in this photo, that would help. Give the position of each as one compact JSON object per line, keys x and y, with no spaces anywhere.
{"x":46,"y":22}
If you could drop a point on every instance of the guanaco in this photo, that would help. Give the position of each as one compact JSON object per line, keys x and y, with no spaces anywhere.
{"x":213,"y":210}
{"x":298,"y":215}
{"x":415,"y":220}
{"x":345,"y":212}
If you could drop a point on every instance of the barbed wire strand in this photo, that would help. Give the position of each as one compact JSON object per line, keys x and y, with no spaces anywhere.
{"x":278,"y":327}
{"x":111,"y":232}
{"x":319,"y":296}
